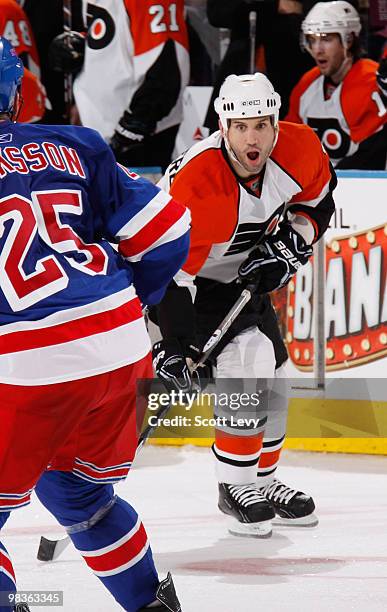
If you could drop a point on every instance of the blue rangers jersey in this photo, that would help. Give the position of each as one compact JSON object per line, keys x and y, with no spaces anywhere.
{"x":82,"y":242}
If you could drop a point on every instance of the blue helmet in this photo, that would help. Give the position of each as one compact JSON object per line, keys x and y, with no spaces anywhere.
{"x":11,"y":74}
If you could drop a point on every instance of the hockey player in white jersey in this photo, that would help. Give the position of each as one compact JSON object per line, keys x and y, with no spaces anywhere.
{"x":256,"y":181}
{"x":342,"y":97}
{"x":132,"y":77}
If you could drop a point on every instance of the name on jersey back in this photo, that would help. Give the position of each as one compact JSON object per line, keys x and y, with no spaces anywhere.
{"x":36,"y":157}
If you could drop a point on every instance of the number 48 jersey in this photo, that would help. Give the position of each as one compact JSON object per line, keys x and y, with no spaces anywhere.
{"x":351,"y":115}
{"x":68,"y":298}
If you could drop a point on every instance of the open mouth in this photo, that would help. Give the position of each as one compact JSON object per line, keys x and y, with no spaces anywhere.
{"x":253,"y":155}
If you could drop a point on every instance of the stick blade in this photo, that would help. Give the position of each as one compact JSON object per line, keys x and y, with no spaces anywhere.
{"x":49,"y":550}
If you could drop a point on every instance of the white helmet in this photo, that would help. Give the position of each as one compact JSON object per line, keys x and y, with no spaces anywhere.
{"x":337,"y":17}
{"x":246,"y":96}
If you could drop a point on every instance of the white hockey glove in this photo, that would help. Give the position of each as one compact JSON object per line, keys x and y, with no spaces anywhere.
{"x":273,"y":263}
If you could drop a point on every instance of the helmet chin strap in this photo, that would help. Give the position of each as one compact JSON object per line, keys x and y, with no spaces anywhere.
{"x":346,"y":65}
{"x":231,"y":152}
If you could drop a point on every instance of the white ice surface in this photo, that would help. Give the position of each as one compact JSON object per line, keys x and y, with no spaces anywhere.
{"x":341,"y":565}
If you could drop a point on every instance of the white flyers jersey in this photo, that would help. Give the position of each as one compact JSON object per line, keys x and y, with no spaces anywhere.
{"x":125,"y":38}
{"x":230,"y":217}
{"x":353,"y":113}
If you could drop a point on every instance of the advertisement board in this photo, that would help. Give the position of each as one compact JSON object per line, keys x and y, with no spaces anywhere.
{"x":355,"y":288}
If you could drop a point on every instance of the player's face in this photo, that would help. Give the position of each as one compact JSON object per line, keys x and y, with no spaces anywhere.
{"x":327,"y":51}
{"x":251,"y":141}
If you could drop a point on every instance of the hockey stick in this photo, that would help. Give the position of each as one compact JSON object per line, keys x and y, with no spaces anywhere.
{"x":204,"y":355}
{"x":68,"y":80}
{"x":49,"y":550}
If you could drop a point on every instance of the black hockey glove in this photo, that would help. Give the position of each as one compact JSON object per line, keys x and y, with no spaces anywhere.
{"x":273,"y":263}
{"x":172,"y":368}
{"x":129,"y":135}
{"x":67,"y":52}
{"x":381,"y":77}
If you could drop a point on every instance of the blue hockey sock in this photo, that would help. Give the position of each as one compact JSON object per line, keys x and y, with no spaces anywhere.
{"x":107,"y":532}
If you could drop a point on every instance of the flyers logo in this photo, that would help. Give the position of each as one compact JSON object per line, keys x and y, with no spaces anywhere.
{"x":101,"y":27}
{"x":249,"y":235}
{"x":332,"y":136}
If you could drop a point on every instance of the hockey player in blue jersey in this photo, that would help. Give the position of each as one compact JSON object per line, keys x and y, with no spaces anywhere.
{"x":73,"y":339}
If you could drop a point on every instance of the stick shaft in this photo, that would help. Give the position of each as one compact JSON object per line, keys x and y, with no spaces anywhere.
{"x":209,"y":347}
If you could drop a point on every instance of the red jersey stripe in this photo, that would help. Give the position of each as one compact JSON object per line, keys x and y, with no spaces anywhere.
{"x":153,"y":230}
{"x":71,"y":330}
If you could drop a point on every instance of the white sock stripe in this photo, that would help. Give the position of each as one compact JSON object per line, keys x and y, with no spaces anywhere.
{"x":271,"y":449}
{"x":269,"y":468}
{"x":116,"y":544}
{"x":125,"y":566}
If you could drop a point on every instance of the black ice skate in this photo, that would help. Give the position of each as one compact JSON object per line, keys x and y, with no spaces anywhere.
{"x":167,"y":597}
{"x":292,"y":508}
{"x":250,"y":511}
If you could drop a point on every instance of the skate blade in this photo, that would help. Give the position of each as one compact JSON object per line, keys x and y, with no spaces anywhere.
{"x":304,"y":521}
{"x":250,"y":530}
